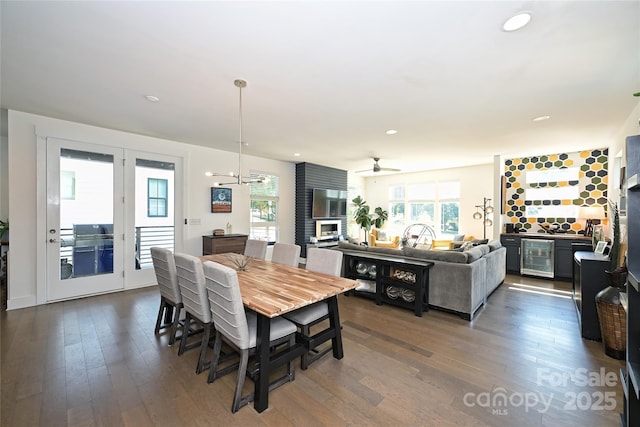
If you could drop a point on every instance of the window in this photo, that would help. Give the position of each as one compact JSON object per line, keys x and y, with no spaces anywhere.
{"x":157,"y":197}
{"x":434,"y":204}
{"x":264,"y":207}
{"x":449,"y":196}
{"x":449,"y":217}
{"x":421,"y":198}
{"x":396,"y":205}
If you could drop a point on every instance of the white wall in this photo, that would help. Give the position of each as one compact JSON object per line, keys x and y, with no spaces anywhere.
{"x":631,"y":127}
{"x":4,"y":170}
{"x":25,"y":182}
{"x":476,"y":182}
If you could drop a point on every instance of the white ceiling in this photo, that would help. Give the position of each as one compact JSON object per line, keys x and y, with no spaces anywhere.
{"x":326,"y":79}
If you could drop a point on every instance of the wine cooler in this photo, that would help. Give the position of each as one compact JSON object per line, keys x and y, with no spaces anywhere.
{"x":537,"y":257}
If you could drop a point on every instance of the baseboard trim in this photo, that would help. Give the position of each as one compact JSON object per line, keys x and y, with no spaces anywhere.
{"x":24,"y":302}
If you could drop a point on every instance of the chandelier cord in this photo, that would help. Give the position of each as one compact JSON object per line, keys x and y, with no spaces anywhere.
{"x":239,"y":179}
{"x":240,"y":150}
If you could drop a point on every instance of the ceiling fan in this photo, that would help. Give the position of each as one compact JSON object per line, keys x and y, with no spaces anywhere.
{"x":378,"y":168}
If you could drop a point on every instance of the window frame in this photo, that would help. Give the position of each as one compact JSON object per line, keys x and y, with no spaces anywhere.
{"x":155,"y":199}
{"x":273,"y":200}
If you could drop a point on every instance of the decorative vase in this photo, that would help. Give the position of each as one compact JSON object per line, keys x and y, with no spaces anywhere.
{"x":613,"y":322}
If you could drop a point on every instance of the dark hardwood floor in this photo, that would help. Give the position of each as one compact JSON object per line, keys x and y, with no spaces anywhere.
{"x":521,"y":362}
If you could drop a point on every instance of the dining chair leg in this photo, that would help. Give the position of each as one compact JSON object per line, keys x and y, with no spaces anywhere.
{"x":215,"y":358}
{"x":291,"y":370}
{"x":202,"y":363}
{"x":304,"y":359}
{"x":185,"y":333}
{"x":175,"y":324}
{"x":163,"y":306}
{"x":238,"y":402}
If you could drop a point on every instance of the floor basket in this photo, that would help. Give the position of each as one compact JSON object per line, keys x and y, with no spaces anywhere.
{"x":613,"y":322}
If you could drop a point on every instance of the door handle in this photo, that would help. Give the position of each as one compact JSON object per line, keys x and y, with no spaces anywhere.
{"x":53,"y":241}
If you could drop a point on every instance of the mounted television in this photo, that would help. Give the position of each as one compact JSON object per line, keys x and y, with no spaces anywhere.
{"x":329,"y":203}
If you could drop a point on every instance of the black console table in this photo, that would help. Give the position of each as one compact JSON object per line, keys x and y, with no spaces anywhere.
{"x":589,"y":278}
{"x":403,"y":282}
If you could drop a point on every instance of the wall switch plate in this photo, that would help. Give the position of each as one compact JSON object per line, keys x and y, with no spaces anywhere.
{"x":194,"y":221}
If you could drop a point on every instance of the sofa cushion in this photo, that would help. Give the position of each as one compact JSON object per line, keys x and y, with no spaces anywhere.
{"x":484,"y":249}
{"x":494,"y":244}
{"x":474,"y":254}
{"x":448,"y":256}
{"x":346,"y":245}
{"x":384,"y":250}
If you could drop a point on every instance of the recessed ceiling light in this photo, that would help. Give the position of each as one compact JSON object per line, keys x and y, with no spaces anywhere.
{"x":391,"y":132}
{"x":541,"y":118}
{"x":208,"y":173}
{"x":517,"y":21}
{"x":296,"y":154}
{"x":152,"y":98}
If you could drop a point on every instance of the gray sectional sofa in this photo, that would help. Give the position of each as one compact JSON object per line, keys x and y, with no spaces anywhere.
{"x":459,"y":281}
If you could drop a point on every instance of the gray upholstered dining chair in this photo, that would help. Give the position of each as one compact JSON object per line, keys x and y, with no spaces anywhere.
{"x":327,"y":261}
{"x":196,"y":304}
{"x":171,"y":305}
{"x":286,"y":253}
{"x":239,"y":328}
{"x":256,"y":248}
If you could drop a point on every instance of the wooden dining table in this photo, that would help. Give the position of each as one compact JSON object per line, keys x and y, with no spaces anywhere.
{"x":271,"y":289}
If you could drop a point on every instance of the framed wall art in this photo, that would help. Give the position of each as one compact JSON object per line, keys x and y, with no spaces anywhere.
{"x":220,"y":200}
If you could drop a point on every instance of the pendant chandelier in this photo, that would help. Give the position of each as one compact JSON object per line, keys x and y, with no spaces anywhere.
{"x":236,"y":178}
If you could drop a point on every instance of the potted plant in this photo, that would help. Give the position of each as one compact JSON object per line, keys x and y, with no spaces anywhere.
{"x":617,"y":271}
{"x":611,"y":314}
{"x":365,"y":218}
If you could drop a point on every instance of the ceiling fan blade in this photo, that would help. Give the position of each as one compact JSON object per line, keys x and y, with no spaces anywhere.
{"x":390,"y":169}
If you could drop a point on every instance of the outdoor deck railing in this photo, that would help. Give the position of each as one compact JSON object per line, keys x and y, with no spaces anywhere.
{"x":146,"y":237}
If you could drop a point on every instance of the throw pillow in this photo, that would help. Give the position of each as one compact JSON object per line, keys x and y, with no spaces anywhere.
{"x":466,"y":246}
{"x":458,"y":238}
{"x":382,"y":235}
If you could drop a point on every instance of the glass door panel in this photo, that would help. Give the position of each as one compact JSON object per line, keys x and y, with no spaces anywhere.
{"x":84,"y":182}
{"x":155,"y":219}
{"x":154,"y":213}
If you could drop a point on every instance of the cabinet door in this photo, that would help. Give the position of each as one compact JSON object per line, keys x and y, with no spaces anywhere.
{"x":512,"y":244}
{"x":563,"y":259}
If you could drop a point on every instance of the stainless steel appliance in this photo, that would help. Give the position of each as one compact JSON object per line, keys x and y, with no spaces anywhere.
{"x":537,"y":257}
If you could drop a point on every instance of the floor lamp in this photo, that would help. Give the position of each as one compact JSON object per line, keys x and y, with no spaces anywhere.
{"x":482,"y":211}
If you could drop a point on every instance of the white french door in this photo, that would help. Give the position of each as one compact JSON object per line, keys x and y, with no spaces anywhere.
{"x":85,"y":219}
{"x":153,"y":211}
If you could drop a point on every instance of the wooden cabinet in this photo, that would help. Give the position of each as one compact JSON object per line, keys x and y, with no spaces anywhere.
{"x":588,"y":279}
{"x":221,"y":244}
{"x":392,"y":280}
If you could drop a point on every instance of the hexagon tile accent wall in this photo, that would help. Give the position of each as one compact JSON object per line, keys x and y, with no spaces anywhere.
{"x":592,"y":186}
